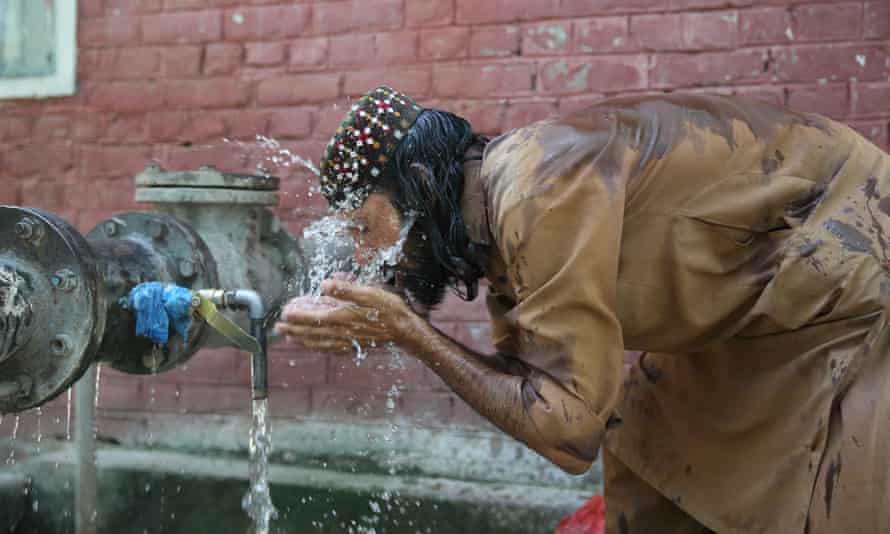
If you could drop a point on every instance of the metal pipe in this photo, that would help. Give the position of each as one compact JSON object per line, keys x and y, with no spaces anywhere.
{"x":85,"y":440}
{"x":256,"y":310}
{"x":251,"y":300}
{"x":259,"y":379}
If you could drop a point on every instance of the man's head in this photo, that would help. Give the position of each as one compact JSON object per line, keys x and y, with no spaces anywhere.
{"x":393,"y":163}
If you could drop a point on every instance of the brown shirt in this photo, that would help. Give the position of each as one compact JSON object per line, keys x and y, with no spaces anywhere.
{"x":742,"y":246}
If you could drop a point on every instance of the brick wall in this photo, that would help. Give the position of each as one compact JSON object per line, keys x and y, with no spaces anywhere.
{"x":167,"y":80}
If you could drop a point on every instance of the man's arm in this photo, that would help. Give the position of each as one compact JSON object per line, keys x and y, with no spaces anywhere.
{"x":520,"y":400}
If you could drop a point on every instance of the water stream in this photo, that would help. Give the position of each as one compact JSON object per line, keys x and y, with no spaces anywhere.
{"x":68,"y":414}
{"x":258,"y":500}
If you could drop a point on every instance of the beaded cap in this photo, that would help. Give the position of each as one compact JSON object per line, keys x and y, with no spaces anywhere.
{"x":364,"y":144}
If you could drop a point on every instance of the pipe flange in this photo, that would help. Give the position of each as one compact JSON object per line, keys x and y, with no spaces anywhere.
{"x":48,"y":284}
{"x":207,"y":176}
{"x":206,"y":185}
{"x":139,"y":247}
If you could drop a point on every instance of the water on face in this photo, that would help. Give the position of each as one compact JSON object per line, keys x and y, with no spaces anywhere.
{"x":258,"y":500}
{"x":373,"y":272}
{"x":326,"y":237}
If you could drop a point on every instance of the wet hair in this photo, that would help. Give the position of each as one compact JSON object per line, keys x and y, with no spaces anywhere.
{"x":425,"y":179}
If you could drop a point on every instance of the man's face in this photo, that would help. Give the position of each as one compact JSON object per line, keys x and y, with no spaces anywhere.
{"x":378,"y":226}
{"x":375,"y":226}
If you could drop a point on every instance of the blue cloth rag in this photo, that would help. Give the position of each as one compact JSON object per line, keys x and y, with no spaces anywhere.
{"x":158,"y":306}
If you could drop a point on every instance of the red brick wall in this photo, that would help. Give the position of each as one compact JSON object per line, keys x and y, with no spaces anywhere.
{"x":167,"y":80}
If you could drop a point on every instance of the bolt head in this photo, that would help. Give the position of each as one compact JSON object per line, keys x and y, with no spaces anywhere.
{"x":60,"y":345}
{"x":24,"y":229}
{"x":29,"y":229}
{"x":157,"y":230}
{"x":64,"y":280}
{"x":187,"y":269}
{"x":110,"y":228}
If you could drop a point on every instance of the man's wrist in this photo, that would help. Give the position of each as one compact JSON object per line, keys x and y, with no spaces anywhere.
{"x":415,"y":334}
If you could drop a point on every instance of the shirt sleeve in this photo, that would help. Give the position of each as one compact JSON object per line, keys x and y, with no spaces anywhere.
{"x":558,"y":204}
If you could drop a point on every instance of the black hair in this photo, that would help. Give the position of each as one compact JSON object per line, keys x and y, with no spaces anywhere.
{"x":425,"y":179}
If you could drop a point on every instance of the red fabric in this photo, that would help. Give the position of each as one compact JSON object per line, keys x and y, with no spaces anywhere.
{"x":589,"y":519}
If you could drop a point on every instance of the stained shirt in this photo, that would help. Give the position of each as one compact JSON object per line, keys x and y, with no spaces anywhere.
{"x":741,"y":246}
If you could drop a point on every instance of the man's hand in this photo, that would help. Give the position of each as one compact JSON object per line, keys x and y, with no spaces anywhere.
{"x":347,"y":314}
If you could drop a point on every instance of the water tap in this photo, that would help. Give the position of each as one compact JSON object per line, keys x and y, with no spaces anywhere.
{"x":205,"y":303}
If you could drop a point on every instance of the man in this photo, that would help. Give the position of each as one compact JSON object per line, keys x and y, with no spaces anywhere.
{"x":741,"y":246}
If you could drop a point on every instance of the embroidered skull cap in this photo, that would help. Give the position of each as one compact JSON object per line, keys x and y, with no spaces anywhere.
{"x":363,"y":145}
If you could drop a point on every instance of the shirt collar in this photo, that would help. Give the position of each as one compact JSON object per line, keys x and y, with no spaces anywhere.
{"x":474,"y":203}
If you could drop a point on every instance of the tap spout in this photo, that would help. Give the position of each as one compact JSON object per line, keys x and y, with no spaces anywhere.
{"x":259,"y":362}
{"x":256,"y":310}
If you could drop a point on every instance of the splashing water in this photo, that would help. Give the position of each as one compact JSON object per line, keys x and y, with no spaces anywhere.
{"x":39,"y":414}
{"x":68,"y":415}
{"x":274,"y":157}
{"x":283,"y":157}
{"x":258,"y":500}
{"x":374,"y":271}
{"x":330,"y":241}
{"x":360,"y":353}
{"x":15,"y":430}
{"x":98,"y":380}
{"x":329,"y":248}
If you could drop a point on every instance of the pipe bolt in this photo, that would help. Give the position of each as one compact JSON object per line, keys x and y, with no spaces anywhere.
{"x":157,"y":230}
{"x":29,"y":229}
{"x":64,"y":280}
{"x":110,"y":228}
{"x":187,"y":269}
{"x":60,"y":345}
